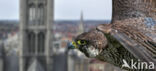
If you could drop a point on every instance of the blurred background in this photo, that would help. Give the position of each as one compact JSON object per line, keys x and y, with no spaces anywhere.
{"x":71,"y":17}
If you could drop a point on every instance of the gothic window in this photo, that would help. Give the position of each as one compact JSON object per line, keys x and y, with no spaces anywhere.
{"x":31,"y":42}
{"x":32,"y":12}
{"x":41,"y":44}
{"x":40,"y":16}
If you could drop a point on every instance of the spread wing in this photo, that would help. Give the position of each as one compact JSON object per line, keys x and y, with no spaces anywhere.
{"x":131,"y":35}
{"x":129,"y":29}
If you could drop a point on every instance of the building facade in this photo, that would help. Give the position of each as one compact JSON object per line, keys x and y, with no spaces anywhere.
{"x":36,"y":19}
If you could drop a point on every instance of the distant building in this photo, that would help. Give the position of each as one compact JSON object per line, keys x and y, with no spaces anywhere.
{"x":11,"y":44}
{"x":77,"y":61}
{"x":57,"y":44}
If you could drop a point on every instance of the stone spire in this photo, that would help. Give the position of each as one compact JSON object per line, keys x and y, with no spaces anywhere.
{"x":81,"y":24}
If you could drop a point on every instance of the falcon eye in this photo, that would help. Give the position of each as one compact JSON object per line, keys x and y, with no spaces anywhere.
{"x":81,"y":42}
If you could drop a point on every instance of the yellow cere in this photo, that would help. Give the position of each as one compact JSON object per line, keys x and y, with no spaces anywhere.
{"x":74,"y":44}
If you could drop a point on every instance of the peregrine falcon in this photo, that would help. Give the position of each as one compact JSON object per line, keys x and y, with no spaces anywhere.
{"x":124,"y":39}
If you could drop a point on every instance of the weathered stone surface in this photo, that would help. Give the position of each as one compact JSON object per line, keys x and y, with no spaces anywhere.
{"x":123,"y":9}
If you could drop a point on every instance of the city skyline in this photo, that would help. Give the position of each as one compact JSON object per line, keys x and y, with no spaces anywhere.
{"x":64,"y":9}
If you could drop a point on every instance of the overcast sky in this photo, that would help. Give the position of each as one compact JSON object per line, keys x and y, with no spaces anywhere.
{"x":64,"y":9}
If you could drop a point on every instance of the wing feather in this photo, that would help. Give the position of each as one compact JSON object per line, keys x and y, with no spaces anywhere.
{"x":137,"y":50}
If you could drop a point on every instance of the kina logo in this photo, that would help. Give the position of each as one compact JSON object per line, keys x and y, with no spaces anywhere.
{"x":137,"y":65}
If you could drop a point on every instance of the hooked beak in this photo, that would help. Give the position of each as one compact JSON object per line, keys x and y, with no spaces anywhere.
{"x":72,"y":45}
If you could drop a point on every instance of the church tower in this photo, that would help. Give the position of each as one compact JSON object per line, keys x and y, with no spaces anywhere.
{"x":36,"y":19}
{"x":81,"y":24}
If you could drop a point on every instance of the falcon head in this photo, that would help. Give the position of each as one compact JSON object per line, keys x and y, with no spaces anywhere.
{"x":91,"y":43}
